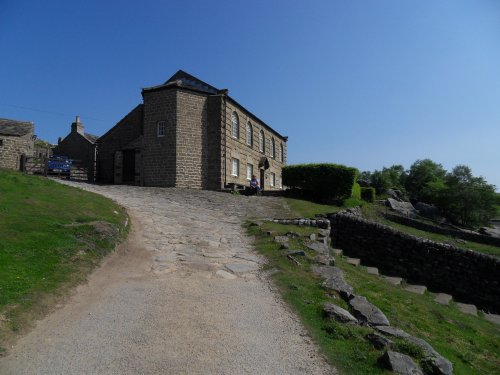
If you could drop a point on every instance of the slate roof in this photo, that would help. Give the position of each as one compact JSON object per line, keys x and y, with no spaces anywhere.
{"x":91,"y":137}
{"x":181,"y":79}
{"x":14,"y":127}
{"x":185,"y":80}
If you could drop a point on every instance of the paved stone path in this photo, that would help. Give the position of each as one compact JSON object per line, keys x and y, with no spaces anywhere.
{"x":183,"y":295}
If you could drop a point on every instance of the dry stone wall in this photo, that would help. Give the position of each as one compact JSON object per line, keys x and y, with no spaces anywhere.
{"x":475,"y":237}
{"x":12,"y":148}
{"x":469,"y":276}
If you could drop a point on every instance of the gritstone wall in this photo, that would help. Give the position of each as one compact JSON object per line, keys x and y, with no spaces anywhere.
{"x":468,"y":276}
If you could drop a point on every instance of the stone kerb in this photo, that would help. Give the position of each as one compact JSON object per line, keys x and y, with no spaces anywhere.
{"x":467,"y":275}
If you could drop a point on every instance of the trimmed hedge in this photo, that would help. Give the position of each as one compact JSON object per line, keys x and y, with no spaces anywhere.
{"x":368,"y":194}
{"x":323,"y":182}
{"x":356,"y":191}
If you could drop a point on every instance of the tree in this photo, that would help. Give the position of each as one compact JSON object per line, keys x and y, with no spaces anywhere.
{"x":421,"y":174}
{"x":467,"y":200}
{"x":388,"y":178}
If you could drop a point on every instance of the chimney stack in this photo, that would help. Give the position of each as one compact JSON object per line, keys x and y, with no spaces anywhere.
{"x":77,"y":126}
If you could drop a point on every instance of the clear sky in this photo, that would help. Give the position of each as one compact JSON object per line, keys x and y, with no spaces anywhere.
{"x":363,"y":83}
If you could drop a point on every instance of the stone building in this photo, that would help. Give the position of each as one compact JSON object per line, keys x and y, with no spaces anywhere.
{"x":78,"y":145}
{"x":188,"y":133}
{"x":16,"y":139}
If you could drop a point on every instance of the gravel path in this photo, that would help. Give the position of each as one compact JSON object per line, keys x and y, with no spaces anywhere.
{"x":183,"y":295}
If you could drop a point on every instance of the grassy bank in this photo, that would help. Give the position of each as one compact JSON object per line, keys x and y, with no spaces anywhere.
{"x":471,"y":343}
{"x":52,"y":236}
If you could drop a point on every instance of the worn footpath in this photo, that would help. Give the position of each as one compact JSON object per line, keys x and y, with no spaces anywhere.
{"x":183,"y":295}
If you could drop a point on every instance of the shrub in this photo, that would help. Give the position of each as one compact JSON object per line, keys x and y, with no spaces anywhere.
{"x":323,"y":182}
{"x":356,"y":191}
{"x":368,"y":194}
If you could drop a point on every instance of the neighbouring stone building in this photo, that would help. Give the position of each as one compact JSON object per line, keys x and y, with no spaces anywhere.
{"x":16,"y":139}
{"x":189,"y":134}
{"x":78,"y":145}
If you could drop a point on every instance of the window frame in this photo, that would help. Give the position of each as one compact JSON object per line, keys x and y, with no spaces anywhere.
{"x":249,"y":176}
{"x":273,"y":148}
{"x":235,"y":125}
{"x":233,"y":160}
{"x":280,"y":153}
{"x":249,"y":132}
{"x":272,"y":179}
{"x":262,"y":142}
{"x":160,"y":125}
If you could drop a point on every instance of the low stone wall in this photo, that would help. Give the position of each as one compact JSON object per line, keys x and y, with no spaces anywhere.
{"x":468,"y":276}
{"x":475,"y":237}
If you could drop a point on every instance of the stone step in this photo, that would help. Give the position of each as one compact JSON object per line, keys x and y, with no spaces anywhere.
{"x":443,"y":298}
{"x":417,"y":289}
{"x":354,"y":261}
{"x":372,"y":270}
{"x":467,"y":308}
{"x":494,"y":318}
{"x":337,"y":252}
{"x":393,"y":280}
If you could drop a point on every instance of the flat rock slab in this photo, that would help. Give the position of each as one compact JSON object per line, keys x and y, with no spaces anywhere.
{"x":443,"y":298}
{"x":392,"y":331}
{"x":367,"y":312}
{"x":318,"y":247}
{"x":242,"y":267}
{"x":281,"y":239}
{"x":372,"y":270}
{"x":417,"y":289}
{"x":338,"y":313}
{"x":467,"y":309}
{"x":250,"y":257}
{"x":353,"y":261}
{"x":399,"y":363}
{"x":226,"y":275}
{"x":337,"y":252}
{"x":494,"y":318}
{"x":334,"y":279}
{"x":393,"y":280}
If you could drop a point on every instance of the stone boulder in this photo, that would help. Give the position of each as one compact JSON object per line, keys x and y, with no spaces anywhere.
{"x":379,"y":341}
{"x":367,"y":313}
{"x":399,"y":363}
{"x":334,"y":280}
{"x":404,"y":208}
{"x":338,"y":313}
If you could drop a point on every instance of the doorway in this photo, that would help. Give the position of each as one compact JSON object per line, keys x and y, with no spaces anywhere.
{"x":128,"y":166}
{"x":261,"y":181}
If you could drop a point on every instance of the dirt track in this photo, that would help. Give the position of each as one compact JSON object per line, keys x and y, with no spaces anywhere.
{"x":183,"y":295}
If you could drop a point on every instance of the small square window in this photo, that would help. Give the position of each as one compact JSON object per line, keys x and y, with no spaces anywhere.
{"x":161,"y":128}
{"x":249,"y":171}
{"x":235,"y":167}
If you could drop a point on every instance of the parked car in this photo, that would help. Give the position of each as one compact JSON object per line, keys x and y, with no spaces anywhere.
{"x":59,"y":165}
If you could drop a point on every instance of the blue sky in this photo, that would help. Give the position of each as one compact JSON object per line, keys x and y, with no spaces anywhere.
{"x":362,"y":83}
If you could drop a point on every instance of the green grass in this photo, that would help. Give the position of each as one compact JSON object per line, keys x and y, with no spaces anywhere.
{"x":40,"y":255}
{"x":374,"y":211}
{"x":471,"y":343}
{"x":304,"y":208}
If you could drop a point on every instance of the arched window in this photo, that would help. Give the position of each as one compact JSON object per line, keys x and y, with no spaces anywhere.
{"x":261,"y":141}
{"x":280,"y":152}
{"x":249,"y":135}
{"x":235,"y":125}
{"x":273,"y":148}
